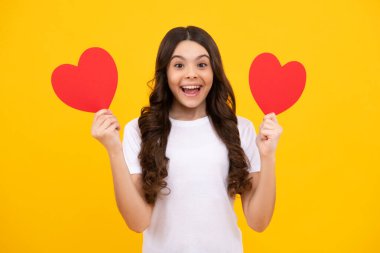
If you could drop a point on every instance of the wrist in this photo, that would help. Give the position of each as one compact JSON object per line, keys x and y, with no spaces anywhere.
{"x":268,"y":163}
{"x":115,"y":151}
{"x":268,"y":157}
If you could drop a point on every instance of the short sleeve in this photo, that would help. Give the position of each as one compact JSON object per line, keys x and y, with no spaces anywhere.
{"x":132,"y":145}
{"x":248,"y":143}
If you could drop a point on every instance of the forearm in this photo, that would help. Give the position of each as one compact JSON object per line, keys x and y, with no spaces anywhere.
{"x":262,"y":204}
{"x":131,"y":204}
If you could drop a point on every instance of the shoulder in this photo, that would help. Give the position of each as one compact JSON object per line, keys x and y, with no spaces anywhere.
{"x":244,"y":123}
{"x":133,"y":123}
{"x":132,"y":126}
{"x":247,"y":130}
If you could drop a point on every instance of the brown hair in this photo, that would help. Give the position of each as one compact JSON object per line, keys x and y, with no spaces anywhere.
{"x":155,"y":125}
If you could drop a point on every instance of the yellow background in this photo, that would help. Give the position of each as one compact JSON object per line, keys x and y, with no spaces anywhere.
{"x":56,"y":191}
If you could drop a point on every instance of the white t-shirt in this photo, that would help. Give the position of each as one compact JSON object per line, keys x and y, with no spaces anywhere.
{"x":198,"y":215}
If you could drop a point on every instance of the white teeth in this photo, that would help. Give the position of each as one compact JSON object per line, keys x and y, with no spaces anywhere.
{"x":191,"y":87}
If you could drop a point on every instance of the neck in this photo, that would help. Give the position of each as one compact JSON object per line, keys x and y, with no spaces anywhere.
{"x":181,"y":112}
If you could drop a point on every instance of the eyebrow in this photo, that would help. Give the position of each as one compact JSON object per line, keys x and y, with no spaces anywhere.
{"x":183,"y":58}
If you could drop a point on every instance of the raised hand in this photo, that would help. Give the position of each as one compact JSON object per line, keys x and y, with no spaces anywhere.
{"x":105,"y":129}
{"x":268,"y":136}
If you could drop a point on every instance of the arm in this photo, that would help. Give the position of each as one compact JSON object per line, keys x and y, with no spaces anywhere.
{"x":129,"y":194}
{"x":128,"y":188}
{"x":259,"y":202}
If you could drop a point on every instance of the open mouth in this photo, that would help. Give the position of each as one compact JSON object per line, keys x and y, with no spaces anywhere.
{"x":191,"y":90}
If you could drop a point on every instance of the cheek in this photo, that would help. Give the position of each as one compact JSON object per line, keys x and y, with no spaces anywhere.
{"x":173,"y":78}
{"x":208,"y":77}
{"x":171,"y":87}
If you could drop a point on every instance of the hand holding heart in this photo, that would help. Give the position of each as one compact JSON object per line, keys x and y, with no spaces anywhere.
{"x":92,"y":85}
{"x":105,"y":129}
{"x":268,"y":136}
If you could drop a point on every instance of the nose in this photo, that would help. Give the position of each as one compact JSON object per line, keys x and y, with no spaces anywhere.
{"x":191,"y":73}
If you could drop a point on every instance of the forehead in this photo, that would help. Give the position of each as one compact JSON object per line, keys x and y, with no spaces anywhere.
{"x":189,"y":50}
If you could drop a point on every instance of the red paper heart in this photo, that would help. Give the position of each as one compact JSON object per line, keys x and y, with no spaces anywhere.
{"x":90,"y":86}
{"x":273,"y":87}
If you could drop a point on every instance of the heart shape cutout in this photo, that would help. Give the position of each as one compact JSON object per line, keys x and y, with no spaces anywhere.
{"x":91,"y":85}
{"x":276,"y":88}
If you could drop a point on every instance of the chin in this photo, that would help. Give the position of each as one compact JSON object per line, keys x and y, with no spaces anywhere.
{"x":191,"y":104}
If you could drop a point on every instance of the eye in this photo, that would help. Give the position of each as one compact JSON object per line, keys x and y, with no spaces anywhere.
{"x":202,"y":65}
{"x":178,"y":65}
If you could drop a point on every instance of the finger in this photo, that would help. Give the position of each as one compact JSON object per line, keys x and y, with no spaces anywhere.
{"x":266,"y":132}
{"x":101,"y":112}
{"x":107,"y":122}
{"x":261,"y":125}
{"x":96,"y":124}
{"x":102,"y":123}
{"x":274,"y":118}
{"x":271,"y":115}
{"x":268,"y":128}
{"x":272,"y":125}
{"x":272,"y":122}
{"x":268,"y":120}
{"x":104,"y":117}
{"x":115,"y":123}
{"x":268,"y":115}
{"x":269,"y":123}
{"x":263,"y":136}
{"x":113,"y":126}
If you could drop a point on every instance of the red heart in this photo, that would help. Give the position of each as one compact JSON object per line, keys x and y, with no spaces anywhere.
{"x":273,"y":87}
{"x":89,"y":87}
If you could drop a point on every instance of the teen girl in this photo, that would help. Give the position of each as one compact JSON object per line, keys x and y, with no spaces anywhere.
{"x":182,"y":162}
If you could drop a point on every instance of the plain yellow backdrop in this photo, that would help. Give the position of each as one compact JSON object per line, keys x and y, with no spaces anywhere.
{"x":56,"y":191}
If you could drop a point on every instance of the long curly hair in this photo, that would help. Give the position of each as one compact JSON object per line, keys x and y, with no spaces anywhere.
{"x":155,"y":125}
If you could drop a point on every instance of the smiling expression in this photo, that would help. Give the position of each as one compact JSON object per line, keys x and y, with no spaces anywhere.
{"x":190,"y":77}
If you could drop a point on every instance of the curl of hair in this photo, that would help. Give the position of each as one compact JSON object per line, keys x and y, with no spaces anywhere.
{"x":155,"y":125}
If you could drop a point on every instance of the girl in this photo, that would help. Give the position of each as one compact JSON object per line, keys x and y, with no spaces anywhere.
{"x":182,"y":162}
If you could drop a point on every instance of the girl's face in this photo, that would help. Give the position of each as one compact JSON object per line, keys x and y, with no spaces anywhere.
{"x":190,"y":77}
